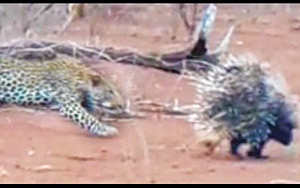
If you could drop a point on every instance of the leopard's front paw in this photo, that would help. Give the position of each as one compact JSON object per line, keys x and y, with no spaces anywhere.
{"x":105,"y":131}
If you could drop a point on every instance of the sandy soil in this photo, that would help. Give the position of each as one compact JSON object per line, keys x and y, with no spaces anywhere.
{"x":45,"y":148}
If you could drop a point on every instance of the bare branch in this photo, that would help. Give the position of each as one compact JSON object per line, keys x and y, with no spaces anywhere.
{"x":182,"y":13}
{"x":36,"y":16}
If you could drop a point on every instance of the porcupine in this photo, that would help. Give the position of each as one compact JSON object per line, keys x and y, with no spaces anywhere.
{"x":241,"y":100}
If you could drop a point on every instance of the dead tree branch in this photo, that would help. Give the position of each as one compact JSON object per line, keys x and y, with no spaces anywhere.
{"x":197,"y":58}
{"x":41,"y":50}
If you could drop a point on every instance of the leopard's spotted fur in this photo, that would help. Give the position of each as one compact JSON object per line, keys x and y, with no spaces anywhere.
{"x":63,"y":84}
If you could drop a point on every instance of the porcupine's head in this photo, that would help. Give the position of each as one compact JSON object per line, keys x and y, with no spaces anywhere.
{"x":285,"y":121}
{"x":282,"y":132}
{"x":239,"y":99}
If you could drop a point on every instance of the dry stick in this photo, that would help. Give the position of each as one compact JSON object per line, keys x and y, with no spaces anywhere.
{"x":173,"y":62}
{"x":108,"y":54}
{"x":36,"y":17}
{"x":38,"y":169}
{"x":76,"y":157}
{"x":194,"y":16}
{"x":172,"y":108}
{"x":190,"y":26}
{"x":75,"y":11}
{"x":70,"y":49}
{"x":182,"y":13}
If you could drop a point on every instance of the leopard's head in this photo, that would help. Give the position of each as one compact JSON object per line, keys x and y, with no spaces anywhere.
{"x":104,"y":97}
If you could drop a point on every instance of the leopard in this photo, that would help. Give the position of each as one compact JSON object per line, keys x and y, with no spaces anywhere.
{"x":65,"y":85}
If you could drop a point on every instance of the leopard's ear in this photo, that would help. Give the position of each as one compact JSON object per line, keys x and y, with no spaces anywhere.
{"x":97,"y":80}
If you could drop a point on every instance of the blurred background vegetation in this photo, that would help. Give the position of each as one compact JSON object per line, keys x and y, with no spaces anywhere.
{"x":19,"y":21}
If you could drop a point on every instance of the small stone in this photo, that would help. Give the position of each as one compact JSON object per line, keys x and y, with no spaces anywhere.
{"x":128,"y":157}
{"x":153,"y":180}
{"x":211,"y":170}
{"x":31,"y":153}
{"x":174,"y":165}
{"x":246,"y":11}
{"x":133,"y":34}
{"x":125,"y":158}
{"x":229,"y":18}
{"x":3,"y":172}
{"x":263,"y":21}
{"x":103,"y":150}
{"x":240,"y":43}
{"x":188,"y":171}
{"x":243,"y":168}
{"x":182,"y":148}
{"x":173,"y":38}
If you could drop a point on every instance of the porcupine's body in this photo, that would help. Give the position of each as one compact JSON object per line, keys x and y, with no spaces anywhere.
{"x":63,"y":84}
{"x":240,"y":101}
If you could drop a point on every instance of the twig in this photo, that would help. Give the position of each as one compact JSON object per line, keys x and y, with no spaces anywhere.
{"x":75,"y":157}
{"x":41,"y":168}
{"x":123,"y":116}
{"x":36,"y":16}
{"x":167,"y":108}
{"x":182,"y":13}
{"x":75,"y":11}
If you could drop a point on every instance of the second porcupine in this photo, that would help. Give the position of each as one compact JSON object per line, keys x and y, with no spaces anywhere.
{"x":241,"y":100}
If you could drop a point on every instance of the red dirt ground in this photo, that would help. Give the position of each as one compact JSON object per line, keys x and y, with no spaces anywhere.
{"x":46,"y":148}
